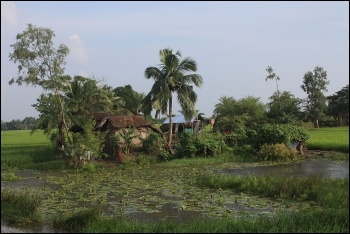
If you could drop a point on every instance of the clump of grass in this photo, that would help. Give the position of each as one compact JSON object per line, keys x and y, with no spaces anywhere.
{"x":20,"y":207}
{"x":9,"y":176}
{"x":90,"y":167}
{"x":329,"y":193}
{"x":326,"y":221}
{"x":76,"y":221}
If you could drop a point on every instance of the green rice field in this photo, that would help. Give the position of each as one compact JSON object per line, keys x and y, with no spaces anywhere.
{"x":21,"y":149}
{"x":331,"y":139}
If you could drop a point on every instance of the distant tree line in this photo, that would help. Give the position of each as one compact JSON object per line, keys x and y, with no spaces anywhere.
{"x":28,"y":123}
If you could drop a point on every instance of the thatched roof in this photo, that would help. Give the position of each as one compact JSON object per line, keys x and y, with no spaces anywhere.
{"x":126,"y":121}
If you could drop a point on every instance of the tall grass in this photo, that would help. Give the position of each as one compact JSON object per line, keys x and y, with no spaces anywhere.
{"x":326,"y":221}
{"x":329,"y":193}
{"x":330,"y":138}
{"x":20,"y":207}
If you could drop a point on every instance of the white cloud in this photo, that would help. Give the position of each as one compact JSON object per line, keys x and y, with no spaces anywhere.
{"x":9,"y":13}
{"x":77,"y":49}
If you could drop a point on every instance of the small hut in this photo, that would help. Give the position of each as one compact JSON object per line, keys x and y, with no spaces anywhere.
{"x":118,"y":125}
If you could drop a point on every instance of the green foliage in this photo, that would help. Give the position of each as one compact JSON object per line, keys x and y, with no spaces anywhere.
{"x":20,"y":206}
{"x":338,"y":105}
{"x":172,"y":76}
{"x":133,"y":102}
{"x":91,"y":167}
{"x":143,"y":159}
{"x":232,"y":115}
{"x":314,"y":84}
{"x":86,"y":145}
{"x":318,"y":221}
{"x":276,"y":152}
{"x":153,"y":144}
{"x":200,"y":145}
{"x":280,"y":133}
{"x":75,"y":221}
{"x":40,"y":64}
{"x":127,"y":136}
{"x":9,"y":176}
{"x":284,"y":108}
{"x":329,"y":193}
{"x":245,"y":153}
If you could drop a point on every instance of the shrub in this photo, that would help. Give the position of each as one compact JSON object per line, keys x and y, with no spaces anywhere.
{"x":279,"y":133}
{"x":153,"y":144}
{"x":91,"y":167}
{"x":245,"y":153}
{"x":200,"y":145}
{"x":86,"y":145}
{"x":276,"y":152}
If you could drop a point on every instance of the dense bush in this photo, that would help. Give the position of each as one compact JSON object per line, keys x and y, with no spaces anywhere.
{"x":86,"y":145}
{"x":200,"y":145}
{"x":276,"y":152}
{"x":279,"y":133}
{"x":153,"y":144}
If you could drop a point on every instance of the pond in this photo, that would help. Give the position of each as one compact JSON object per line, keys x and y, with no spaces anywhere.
{"x":160,"y":193}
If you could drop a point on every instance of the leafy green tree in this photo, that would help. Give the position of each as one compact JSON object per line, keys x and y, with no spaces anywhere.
{"x":284,"y":108}
{"x":338,"y":105}
{"x":49,"y":118}
{"x":41,"y":64}
{"x":314,"y":84}
{"x":172,"y":76}
{"x":239,"y":118}
{"x":86,"y":145}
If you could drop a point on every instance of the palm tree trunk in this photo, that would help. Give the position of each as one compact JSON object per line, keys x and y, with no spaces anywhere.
{"x":170,"y":124}
{"x":62,"y":115}
{"x":170,"y":119}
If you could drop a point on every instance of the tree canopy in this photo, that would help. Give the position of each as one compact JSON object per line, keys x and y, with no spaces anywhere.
{"x":314,"y":84}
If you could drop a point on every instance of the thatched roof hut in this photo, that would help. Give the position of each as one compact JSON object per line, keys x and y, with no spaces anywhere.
{"x":119,"y":126}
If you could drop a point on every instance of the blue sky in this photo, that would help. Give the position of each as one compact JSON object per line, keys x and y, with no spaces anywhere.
{"x":232,"y":42}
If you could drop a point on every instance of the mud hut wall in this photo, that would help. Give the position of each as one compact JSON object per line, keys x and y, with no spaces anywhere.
{"x":140,"y":134}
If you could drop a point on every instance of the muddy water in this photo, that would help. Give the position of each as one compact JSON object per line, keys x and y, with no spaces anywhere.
{"x":144,"y":196}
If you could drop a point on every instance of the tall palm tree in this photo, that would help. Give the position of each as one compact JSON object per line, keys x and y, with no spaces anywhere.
{"x":171,"y":77}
